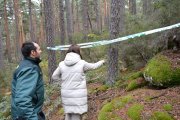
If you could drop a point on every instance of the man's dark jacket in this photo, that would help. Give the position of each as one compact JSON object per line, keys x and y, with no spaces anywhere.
{"x":27,"y":91}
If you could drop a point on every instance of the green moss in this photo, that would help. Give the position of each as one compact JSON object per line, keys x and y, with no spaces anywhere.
{"x":103,"y":113}
{"x":61,"y":111}
{"x":161,"y":116}
{"x":103,"y":88}
{"x":135,"y":75}
{"x":126,"y":99}
{"x":161,"y":71}
{"x":120,"y":102}
{"x":132,"y":85}
{"x":117,"y":103}
{"x":167,"y":107}
{"x":134,"y":112}
{"x":113,"y":116}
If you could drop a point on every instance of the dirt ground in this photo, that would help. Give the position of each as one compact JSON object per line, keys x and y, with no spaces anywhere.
{"x":158,"y":99}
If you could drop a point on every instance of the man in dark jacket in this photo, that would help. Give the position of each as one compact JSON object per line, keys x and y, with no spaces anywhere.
{"x":27,"y":85}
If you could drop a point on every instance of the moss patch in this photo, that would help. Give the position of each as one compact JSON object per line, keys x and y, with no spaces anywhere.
{"x":132,"y":85}
{"x":167,"y":107}
{"x":134,"y":111}
{"x":117,"y":103}
{"x":161,"y":116}
{"x":162,"y":73}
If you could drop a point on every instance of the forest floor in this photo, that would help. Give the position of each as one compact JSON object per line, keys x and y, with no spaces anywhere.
{"x":159,"y":97}
{"x":152,"y":99}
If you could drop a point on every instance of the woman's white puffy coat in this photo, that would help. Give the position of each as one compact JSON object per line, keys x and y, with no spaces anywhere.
{"x":73,"y":82}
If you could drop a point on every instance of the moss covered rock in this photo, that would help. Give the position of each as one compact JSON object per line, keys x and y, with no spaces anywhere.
{"x":163,"y":71}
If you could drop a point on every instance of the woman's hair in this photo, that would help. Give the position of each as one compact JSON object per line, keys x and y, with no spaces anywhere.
{"x":26,"y":48}
{"x":75,"y":49}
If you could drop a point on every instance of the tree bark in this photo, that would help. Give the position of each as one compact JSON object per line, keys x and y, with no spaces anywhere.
{"x":77,"y":16}
{"x":31,"y":25}
{"x":146,"y":7}
{"x":132,"y":7}
{"x":6,"y":27}
{"x":62,"y":27}
{"x":18,"y":45}
{"x":1,"y":47}
{"x":97,"y":11}
{"x":69,"y":20}
{"x":116,"y":27}
{"x":84,"y":4}
{"x":49,"y":26}
{"x":42,"y":32}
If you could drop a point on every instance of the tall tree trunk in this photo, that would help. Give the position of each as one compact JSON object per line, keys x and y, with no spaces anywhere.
{"x":42,"y":32}
{"x":49,"y":25}
{"x":132,"y":7}
{"x":121,"y":17}
{"x":1,"y":47}
{"x":56,"y":18}
{"x":147,"y":7}
{"x":35,"y":26}
{"x":73,"y":21}
{"x":97,"y":10}
{"x":90,"y":23}
{"x":18,"y":45}
{"x":105,"y":14}
{"x":77,"y":16}
{"x":8,"y":45}
{"x":31,"y":25}
{"x":62,"y":27}
{"x":116,"y":26}
{"x":21,"y":30}
{"x":69,"y":20}
{"x":84,"y":5}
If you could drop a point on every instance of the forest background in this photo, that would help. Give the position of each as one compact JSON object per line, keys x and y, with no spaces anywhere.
{"x":59,"y":22}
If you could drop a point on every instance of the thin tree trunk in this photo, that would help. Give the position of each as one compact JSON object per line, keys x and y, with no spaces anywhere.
{"x":16,"y":12}
{"x":35,"y":26}
{"x":8,"y":45}
{"x":21,"y":30}
{"x":1,"y":47}
{"x":84,"y":4}
{"x":132,"y":7}
{"x":72,"y":6}
{"x":42,"y":32}
{"x":49,"y":25}
{"x":77,"y":16}
{"x":105,"y":14}
{"x":62,"y":26}
{"x":89,"y":19}
{"x":97,"y":11}
{"x":31,"y":26}
{"x":69,"y":20}
{"x":146,"y":7}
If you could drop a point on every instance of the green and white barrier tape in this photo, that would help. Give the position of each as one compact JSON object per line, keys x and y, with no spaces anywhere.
{"x":106,"y":42}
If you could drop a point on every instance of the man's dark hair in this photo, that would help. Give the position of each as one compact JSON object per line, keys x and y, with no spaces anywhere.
{"x":26,"y":48}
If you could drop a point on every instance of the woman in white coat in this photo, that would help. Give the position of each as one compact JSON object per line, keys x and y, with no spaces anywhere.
{"x":73,"y":82}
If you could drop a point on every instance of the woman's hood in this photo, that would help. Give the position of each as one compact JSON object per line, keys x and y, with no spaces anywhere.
{"x":71,"y":58}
